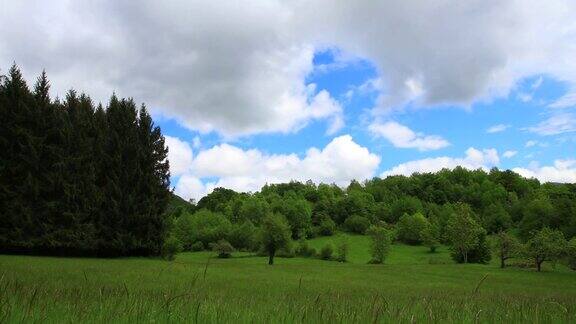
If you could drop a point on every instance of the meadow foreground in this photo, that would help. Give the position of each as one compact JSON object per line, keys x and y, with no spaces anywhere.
{"x":413,"y":285}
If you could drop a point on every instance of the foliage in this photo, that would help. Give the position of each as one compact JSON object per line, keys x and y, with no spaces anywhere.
{"x":327,"y":227}
{"x":326,"y":252}
{"x":244,"y":236}
{"x":204,"y":226}
{"x":342,"y":249}
{"x":170,"y":248}
{"x":545,"y":245}
{"x":410,"y":228}
{"x":76,"y":178}
{"x":223,"y":248}
{"x":430,"y":236}
{"x":463,"y":232}
{"x":381,"y":241}
{"x":305,"y":250}
{"x":357,"y":224}
{"x":197,"y":246}
{"x":506,"y":246}
{"x":480,"y":253}
{"x":571,"y":252}
{"x":275,"y":234}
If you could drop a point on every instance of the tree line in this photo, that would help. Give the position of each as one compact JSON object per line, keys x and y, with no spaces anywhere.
{"x":474,"y":212}
{"x":78,"y":178}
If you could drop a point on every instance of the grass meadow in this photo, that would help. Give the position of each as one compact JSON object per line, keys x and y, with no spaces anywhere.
{"x":413,"y":286}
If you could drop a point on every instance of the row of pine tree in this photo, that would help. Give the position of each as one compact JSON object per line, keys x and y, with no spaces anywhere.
{"x":76,"y":178}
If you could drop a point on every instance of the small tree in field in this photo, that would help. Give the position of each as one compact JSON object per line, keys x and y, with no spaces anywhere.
{"x":506,"y":246}
{"x":275,"y":234}
{"x":431,"y":237}
{"x":223,"y":248}
{"x":545,"y":245}
{"x":463,"y":231}
{"x":342,"y":249}
{"x":381,"y":241}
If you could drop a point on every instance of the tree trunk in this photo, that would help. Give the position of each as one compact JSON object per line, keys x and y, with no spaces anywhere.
{"x":538,"y":265}
{"x":465,"y":257}
{"x":502,"y":263}
{"x":271,"y":257}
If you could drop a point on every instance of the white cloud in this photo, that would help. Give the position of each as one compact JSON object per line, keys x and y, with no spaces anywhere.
{"x":474,"y":159}
{"x":556,"y":124}
{"x":561,"y":171}
{"x":338,"y":162}
{"x":497,"y":128}
{"x":241,"y":67}
{"x":531,"y":143}
{"x":403,"y":137}
{"x":179,"y":155}
{"x":566,"y":101}
{"x":509,"y":154}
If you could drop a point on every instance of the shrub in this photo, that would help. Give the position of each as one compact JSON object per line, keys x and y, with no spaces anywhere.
{"x":170,"y":248}
{"x":326,"y":252}
{"x":305,"y":250}
{"x":381,"y":241}
{"x":205,"y":226}
{"x":223,"y":248}
{"x":357,"y":224}
{"x":410,"y":228}
{"x":197,"y":246}
{"x":342,"y":250}
{"x":327,"y":227}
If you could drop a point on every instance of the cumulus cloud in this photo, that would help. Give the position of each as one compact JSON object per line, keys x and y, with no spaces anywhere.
{"x":179,"y":155}
{"x":241,"y":67}
{"x":509,"y":154}
{"x":338,"y":162}
{"x":560,"y":171}
{"x":474,"y":159}
{"x":566,"y":101}
{"x":403,"y":137}
{"x":497,"y":128}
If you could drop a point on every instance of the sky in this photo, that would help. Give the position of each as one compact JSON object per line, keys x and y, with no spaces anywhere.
{"x":255,"y":92}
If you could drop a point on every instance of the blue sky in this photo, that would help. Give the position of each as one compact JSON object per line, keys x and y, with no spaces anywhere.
{"x":269,"y":91}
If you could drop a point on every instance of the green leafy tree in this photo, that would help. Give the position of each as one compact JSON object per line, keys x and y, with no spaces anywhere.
{"x":357,"y":224}
{"x":381,"y":241}
{"x":326,"y":252}
{"x":462,"y":231}
{"x":223,"y":248}
{"x":571,"y":251}
{"x":275,"y":234}
{"x":506,"y":246}
{"x":342,"y":249}
{"x":431,"y":236}
{"x":410,"y":228}
{"x":204,"y":226}
{"x":545,"y":245}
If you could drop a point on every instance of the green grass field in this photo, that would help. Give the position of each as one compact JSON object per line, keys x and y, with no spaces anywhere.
{"x":414,"y":286}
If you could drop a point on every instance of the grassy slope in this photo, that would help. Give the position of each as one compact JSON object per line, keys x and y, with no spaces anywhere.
{"x":245,"y":289}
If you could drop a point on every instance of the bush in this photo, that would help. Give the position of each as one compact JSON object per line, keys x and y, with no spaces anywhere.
{"x":410,"y":228}
{"x":223,"y":248}
{"x":342,"y":250}
{"x":170,"y":248}
{"x":381,"y":241}
{"x":357,"y":224}
{"x":327,"y":227}
{"x":197,"y":246}
{"x":205,"y":226}
{"x":326,"y":252}
{"x":304,"y":250}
